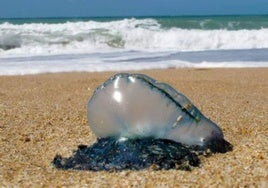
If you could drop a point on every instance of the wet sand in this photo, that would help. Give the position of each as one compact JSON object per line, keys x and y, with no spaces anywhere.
{"x":44,"y":115}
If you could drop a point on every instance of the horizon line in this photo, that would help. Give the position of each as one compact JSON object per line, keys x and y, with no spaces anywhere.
{"x":133,"y":16}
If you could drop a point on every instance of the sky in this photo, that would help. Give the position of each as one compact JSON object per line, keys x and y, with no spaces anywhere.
{"x":96,"y":8}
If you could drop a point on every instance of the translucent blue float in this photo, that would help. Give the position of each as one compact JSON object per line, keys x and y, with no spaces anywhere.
{"x":141,"y":122}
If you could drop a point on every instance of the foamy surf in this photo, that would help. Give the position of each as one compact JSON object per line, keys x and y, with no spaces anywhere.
{"x":132,"y":60}
{"x":126,"y":44}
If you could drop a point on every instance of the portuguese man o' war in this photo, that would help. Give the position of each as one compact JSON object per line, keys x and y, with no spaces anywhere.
{"x":140,"y":123}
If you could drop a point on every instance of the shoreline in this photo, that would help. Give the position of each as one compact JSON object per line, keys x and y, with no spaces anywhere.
{"x":142,"y":71}
{"x":45,"y":114}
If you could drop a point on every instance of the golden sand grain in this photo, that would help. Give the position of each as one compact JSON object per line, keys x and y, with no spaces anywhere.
{"x":44,"y":115}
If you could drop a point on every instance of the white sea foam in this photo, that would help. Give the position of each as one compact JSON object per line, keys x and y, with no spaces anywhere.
{"x":129,"y":44}
{"x":100,"y":67}
{"x":129,"y":34}
{"x":126,"y":61}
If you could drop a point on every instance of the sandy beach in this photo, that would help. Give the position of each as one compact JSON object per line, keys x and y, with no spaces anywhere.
{"x":44,"y":115}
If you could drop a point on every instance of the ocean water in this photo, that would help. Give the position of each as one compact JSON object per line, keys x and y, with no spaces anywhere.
{"x":31,"y":46}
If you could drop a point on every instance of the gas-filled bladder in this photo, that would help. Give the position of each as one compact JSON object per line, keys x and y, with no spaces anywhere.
{"x":141,"y":123}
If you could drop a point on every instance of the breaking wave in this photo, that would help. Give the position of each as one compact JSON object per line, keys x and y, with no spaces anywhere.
{"x":127,"y":34}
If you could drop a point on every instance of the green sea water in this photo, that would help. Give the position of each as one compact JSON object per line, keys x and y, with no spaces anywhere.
{"x":30,"y":46}
{"x":184,"y":22}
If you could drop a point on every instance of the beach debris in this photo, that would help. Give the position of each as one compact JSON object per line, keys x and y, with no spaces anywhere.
{"x":141,"y":123}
